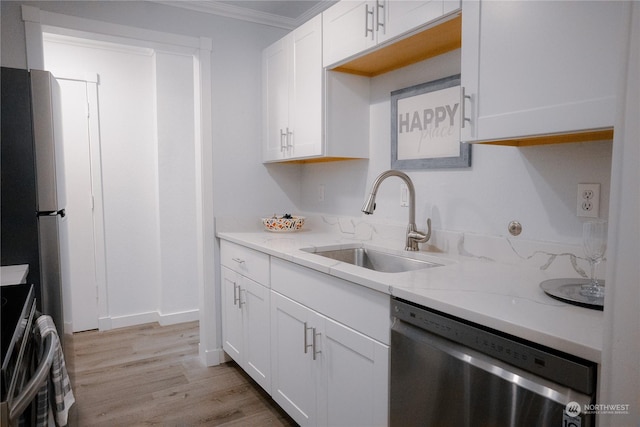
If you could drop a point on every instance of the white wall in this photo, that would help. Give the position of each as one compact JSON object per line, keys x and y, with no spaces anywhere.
{"x":176,"y":182}
{"x":536,"y":186}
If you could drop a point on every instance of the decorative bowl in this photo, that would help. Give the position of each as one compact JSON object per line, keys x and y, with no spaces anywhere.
{"x":283,"y":224}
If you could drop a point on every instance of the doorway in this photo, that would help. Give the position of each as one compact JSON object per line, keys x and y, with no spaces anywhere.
{"x":85,"y":230}
{"x":199,"y":50}
{"x":142,"y":164}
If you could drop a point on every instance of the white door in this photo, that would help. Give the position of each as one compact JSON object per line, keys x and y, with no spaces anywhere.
{"x":255,"y":300}
{"x":305,"y":107}
{"x":293,"y":382}
{"x":512,"y":93}
{"x":348,"y":28}
{"x":355,"y":380}
{"x":80,"y":205}
{"x":275,"y":80}
{"x":402,"y":16}
{"x":231,"y":315}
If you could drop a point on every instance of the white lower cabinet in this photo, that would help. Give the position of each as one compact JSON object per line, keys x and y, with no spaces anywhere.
{"x":324,"y":373}
{"x":318,"y":344}
{"x":245,"y":325}
{"x":327,"y":369}
{"x":354,"y":382}
{"x":292,"y":365}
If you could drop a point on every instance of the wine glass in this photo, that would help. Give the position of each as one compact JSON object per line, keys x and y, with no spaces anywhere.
{"x":594,"y":241}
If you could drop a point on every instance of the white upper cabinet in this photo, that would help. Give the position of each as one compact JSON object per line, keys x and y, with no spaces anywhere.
{"x":536,"y":68}
{"x":399,"y":16}
{"x":348,"y":29}
{"x":352,"y":27}
{"x":299,"y":102}
{"x":275,"y":86}
{"x":305,"y":91}
{"x":292,"y":85}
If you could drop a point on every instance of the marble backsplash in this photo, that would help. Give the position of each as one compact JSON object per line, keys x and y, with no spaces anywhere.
{"x":557,"y":259}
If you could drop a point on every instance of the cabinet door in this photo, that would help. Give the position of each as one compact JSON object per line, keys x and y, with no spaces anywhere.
{"x":293,"y":372}
{"x":534,"y":68}
{"x":255,"y":303}
{"x":401,"y":16}
{"x":348,"y":29}
{"x":355,"y":379}
{"x":232,"y":337}
{"x":275,"y":87}
{"x":305,"y":113}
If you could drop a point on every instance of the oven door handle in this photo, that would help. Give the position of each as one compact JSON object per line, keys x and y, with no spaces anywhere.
{"x":22,"y":401}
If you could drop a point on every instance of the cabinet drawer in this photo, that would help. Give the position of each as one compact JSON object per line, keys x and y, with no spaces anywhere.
{"x":358,"y":307}
{"x":248,"y":262}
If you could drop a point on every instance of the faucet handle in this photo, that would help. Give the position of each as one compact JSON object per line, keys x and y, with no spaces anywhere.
{"x":416,"y":236}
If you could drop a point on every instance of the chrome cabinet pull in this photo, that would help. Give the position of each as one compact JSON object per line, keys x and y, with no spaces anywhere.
{"x":463,"y":101}
{"x":238,"y":260}
{"x":236,"y":298}
{"x":240,"y":302}
{"x":368,"y":12}
{"x":379,"y":22}
{"x":289,"y":138}
{"x":315,"y":352}
{"x":306,"y":345}
{"x":283,"y":144}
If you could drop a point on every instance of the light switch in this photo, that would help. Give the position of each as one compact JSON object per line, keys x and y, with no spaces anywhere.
{"x":404,"y":195}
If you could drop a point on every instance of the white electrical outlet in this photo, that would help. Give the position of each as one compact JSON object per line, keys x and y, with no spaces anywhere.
{"x":404,"y":195}
{"x":588,"y":200}
{"x":321,"y":192}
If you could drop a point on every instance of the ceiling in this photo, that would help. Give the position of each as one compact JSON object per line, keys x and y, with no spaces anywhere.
{"x":286,"y":14}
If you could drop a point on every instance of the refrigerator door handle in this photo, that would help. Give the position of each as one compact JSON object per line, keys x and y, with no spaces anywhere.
{"x":61,"y":212}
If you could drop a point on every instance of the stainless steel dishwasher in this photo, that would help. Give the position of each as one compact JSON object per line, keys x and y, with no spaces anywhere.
{"x":449,"y":372}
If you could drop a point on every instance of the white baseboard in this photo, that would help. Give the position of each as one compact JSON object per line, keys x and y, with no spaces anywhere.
{"x":104,"y":324}
{"x":180,"y":317}
{"x":108,"y":323}
{"x":213,"y":357}
{"x":68,"y":328}
{"x":134,"y":319}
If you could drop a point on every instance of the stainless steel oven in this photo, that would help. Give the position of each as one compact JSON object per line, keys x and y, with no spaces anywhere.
{"x":25,"y":362}
{"x":449,"y":372}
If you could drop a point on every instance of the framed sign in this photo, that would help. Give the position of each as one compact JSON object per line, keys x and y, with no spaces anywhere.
{"x":425,"y":126}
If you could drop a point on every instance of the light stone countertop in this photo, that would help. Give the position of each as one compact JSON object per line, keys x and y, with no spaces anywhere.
{"x":14,"y":274}
{"x":491,"y":289}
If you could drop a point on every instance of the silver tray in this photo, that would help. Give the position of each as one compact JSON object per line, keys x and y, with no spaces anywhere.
{"x":568,"y":290}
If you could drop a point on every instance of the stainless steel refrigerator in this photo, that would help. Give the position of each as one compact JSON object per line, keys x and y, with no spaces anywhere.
{"x":32,"y":206}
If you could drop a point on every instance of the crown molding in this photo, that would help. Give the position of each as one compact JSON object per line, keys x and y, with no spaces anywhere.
{"x":315,"y":10}
{"x":230,"y":11}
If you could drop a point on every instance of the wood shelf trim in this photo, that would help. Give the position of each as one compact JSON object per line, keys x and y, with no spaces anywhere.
{"x":565,"y":138}
{"x":435,"y":40}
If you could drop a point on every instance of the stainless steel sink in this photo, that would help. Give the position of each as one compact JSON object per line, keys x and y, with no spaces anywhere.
{"x":375,"y":260}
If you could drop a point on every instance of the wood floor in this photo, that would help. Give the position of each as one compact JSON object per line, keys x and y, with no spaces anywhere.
{"x":151,"y":375}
